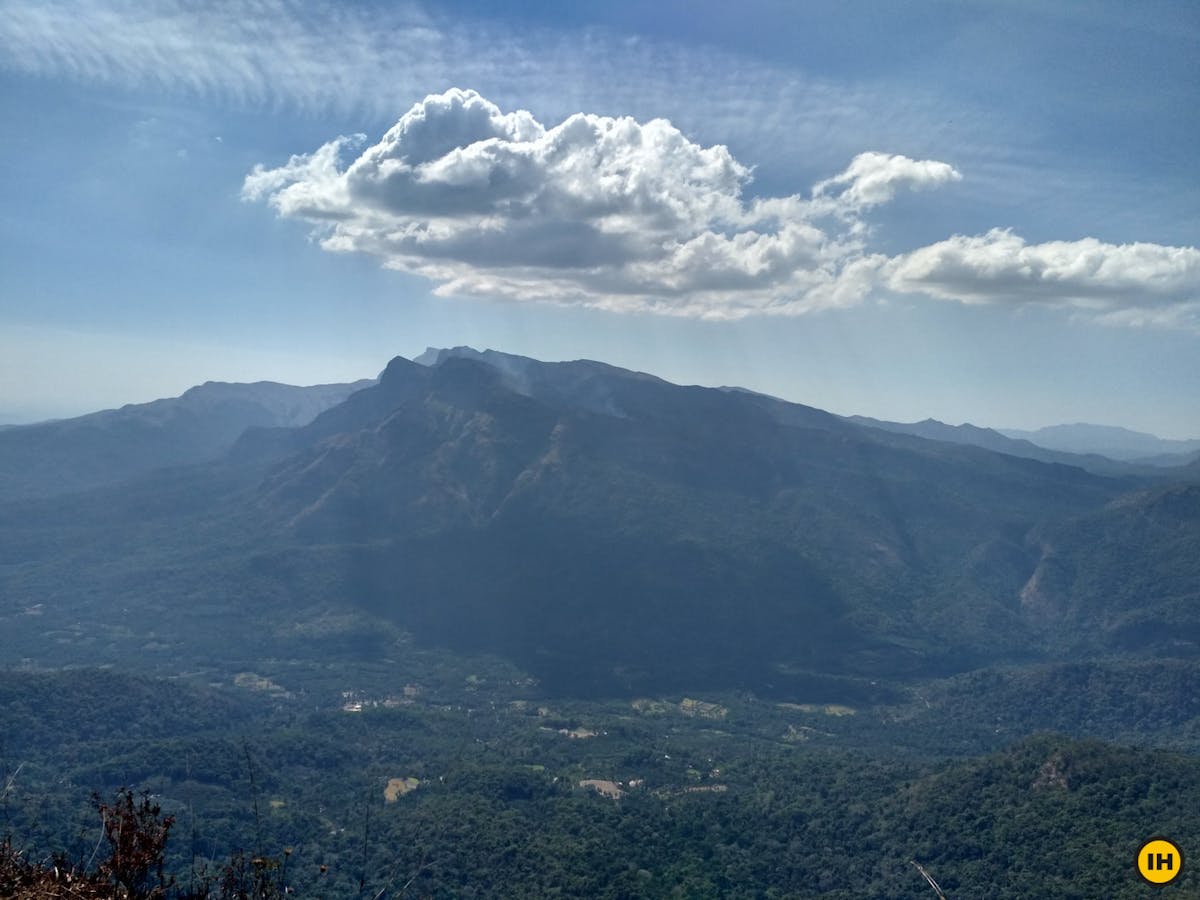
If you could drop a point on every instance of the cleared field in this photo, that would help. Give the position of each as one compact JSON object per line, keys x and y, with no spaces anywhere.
{"x":398,"y":787}
{"x":827,"y":709}
{"x":609,"y":789}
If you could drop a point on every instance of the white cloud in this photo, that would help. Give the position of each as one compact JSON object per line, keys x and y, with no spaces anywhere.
{"x":634,"y":216}
{"x":606,"y":212}
{"x":303,"y":180}
{"x":1130,"y":284}
{"x":873,"y":178}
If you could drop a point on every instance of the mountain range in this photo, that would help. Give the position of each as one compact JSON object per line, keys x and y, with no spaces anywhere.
{"x":605,"y":530}
{"x":114,"y":445}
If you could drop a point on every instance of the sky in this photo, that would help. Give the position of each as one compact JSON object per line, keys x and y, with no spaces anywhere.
{"x":969,"y":211}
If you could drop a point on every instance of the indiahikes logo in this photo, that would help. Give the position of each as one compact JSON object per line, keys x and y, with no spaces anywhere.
{"x":1159,"y":861}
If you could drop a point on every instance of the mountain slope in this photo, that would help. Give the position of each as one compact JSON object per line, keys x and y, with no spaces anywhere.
{"x":113,"y":445}
{"x":1125,"y":577}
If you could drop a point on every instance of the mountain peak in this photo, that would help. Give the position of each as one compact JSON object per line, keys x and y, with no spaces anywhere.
{"x":435,"y":356}
{"x":398,"y":367}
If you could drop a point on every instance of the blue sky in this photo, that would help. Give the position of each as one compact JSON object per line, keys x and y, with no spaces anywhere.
{"x":970,"y":211}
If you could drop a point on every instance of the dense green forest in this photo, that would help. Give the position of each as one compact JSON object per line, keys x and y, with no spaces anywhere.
{"x":481,"y":787}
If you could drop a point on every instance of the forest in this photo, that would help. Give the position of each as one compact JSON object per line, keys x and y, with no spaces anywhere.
{"x":481,"y":787}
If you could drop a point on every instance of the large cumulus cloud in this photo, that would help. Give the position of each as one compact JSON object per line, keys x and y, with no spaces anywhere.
{"x":635,"y":216}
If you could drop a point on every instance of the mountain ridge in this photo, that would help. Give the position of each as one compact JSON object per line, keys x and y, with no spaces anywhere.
{"x":1001,"y":442}
{"x":109,"y":446}
{"x":1112,"y":441}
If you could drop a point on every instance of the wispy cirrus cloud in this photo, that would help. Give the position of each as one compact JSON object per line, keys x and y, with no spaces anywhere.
{"x":371,"y":62}
{"x":634,"y":216}
{"x":253,"y":52}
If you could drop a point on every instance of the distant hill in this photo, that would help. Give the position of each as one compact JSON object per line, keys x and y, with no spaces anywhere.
{"x":1000,"y":442}
{"x":110,"y":446}
{"x":1113,"y":442}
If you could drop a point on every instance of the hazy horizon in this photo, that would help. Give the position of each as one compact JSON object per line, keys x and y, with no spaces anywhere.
{"x":8,"y":419}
